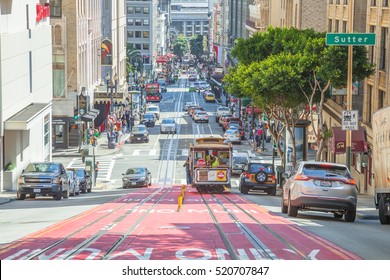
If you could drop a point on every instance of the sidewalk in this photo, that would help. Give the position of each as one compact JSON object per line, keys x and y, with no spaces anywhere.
{"x":101,"y":148}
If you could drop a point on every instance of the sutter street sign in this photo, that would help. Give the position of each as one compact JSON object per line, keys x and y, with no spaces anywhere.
{"x":350,"y":39}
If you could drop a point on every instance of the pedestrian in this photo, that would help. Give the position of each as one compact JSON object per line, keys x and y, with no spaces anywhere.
{"x":124,"y":126}
{"x":259,"y":136}
{"x":82,"y":154}
{"x":96,"y":170}
{"x":188,"y":171}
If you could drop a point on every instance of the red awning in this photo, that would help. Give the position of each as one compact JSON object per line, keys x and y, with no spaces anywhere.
{"x":337,"y":142}
{"x":162,"y":59}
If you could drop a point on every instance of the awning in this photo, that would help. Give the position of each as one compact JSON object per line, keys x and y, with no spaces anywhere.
{"x":24,"y":119}
{"x":337,"y":142}
{"x":90,"y":116}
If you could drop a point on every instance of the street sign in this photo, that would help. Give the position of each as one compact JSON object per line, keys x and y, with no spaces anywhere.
{"x":350,"y":39}
{"x":350,"y":120}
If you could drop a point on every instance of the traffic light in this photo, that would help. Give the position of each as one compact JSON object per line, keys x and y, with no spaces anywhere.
{"x":76,"y":114}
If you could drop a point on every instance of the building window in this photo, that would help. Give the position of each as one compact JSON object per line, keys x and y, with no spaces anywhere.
{"x":337,"y":2}
{"x":385,"y":3}
{"x":369,"y":104}
{"x":330,"y":25}
{"x":382,"y":62}
{"x":130,"y":34}
{"x":373,"y":3}
{"x":46,"y":130}
{"x":336,"y":26}
{"x":146,"y":46}
{"x":330,"y":1}
{"x":137,"y":46}
{"x":371,"y":49}
{"x":146,"y":34}
{"x":344,"y":26}
{"x":130,"y":21}
{"x":138,"y":10}
{"x":146,"y":59}
{"x":146,"y":10}
{"x":56,"y":8}
{"x":137,"y":22}
{"x":345,"y":2}
{"x":146,"y":22}
{"x":137,"y":34}
{"x":130,"y":10}
{"x":381,"y":99}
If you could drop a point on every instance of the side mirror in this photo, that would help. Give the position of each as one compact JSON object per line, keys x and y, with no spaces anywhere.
{"x":123,"y":174}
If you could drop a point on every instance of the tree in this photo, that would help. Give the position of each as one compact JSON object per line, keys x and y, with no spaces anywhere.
{"x":196,"y":45}
{"x":180,"y":45}
{"x":286,"y":69}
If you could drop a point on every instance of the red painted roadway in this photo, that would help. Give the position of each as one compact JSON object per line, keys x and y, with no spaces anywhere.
{"x":124,"y":229}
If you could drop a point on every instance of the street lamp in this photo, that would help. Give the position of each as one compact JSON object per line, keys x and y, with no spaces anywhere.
{"x":141,"y":85}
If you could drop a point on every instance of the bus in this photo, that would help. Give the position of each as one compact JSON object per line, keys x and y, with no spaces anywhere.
{"x":153,"y":92}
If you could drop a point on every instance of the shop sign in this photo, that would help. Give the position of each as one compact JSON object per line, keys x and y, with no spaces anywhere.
{"x":42,"y":11}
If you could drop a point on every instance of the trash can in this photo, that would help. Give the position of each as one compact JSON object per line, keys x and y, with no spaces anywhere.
{"x":86,"y":151}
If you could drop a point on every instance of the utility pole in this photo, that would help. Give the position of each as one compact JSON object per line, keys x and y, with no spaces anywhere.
{"x":348,"y":138}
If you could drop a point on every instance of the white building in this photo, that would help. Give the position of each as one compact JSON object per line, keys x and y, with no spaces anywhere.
{"x":25,"y":87}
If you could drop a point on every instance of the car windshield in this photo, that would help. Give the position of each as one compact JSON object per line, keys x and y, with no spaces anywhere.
{"x":256,"y":167}
{"x":137,"y":171}
{"x":80,"y":173}
{"x":168,"y":121}
{"x":148,"y":116}
{"x":154,"y":109}
{"x":325,"y":170}
{"x":231,"y":131}
{"x":137,"y":129}
{"x":43,"y":167}
{"x":240,"y":160}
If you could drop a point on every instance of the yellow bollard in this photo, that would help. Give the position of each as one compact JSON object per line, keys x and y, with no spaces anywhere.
{"x":179,"y":202}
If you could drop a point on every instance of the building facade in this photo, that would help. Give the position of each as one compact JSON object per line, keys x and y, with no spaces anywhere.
{"x":25,"y":87}
{"x":76,"y":28}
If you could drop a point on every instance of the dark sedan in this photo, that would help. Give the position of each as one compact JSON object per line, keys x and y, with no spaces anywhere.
{"x":148,"y":119}
{"x":85,"y":180}
{"x":137,"y":177}
{"x":139,"y":133}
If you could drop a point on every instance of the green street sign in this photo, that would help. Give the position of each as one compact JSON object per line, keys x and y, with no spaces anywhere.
{"x":350,"y":39}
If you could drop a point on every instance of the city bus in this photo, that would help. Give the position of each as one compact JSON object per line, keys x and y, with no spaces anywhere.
{"x":153,"y":92}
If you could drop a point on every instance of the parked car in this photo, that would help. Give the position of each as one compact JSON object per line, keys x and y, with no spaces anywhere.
{"x":85,"y":180}
{"x":320,"y":186}
{"x":43,"y":178}
{"x":168,"y":125}
{"x":201,"y":116}
{"x":223,"y":117}
{"x":137,"y":177}
{"x":154,"y":110}
{"x":240,"y":160}
{"x":225,"y":122}
{"x":258,"y":176}
{"x":232,"y":136}
{"x":74,"y":183}
{"x":148,"y":119}
{"x":221,"y":110}
{"x":139,"y":133}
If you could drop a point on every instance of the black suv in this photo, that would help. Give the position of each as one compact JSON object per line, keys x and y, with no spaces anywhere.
{"x":258,"y":176}
{"x":84,"y":178}
{"x":44,"y":178}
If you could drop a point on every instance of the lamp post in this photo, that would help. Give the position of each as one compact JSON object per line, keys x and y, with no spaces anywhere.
{"x":108,"y":78}
{"x":141,"y":85}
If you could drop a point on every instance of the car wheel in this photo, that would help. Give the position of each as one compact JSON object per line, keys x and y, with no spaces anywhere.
{"x":245,"y":189}
{"x":33,"y":195}
{"x":83,"y":190}
{"x":338,"y":215}
{"x":58,"y":195}
{"x":21,"y":197}
{"x":261,"y":177}
{"x":350,"y":216}
{"x":66,"y":193}
{"x":292,"y":211}
{"x":385,"y":220}
{"x":284,"y":207}
{"x":90,"y":188}
{"x":271,"y":191}
{"x":73,"y":193}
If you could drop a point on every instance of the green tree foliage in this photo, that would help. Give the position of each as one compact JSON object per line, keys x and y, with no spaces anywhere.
{"x":288,"y":71}
{"x":180,"y":45}
{"x":196,"y":45}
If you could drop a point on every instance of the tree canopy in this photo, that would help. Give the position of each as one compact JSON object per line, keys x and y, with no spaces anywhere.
{"x":180,"y":45}
{"x":287,"y":70}
{"x":196,"y":45}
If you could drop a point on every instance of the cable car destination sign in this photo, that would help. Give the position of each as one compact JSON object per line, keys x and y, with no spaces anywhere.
{"x":350,"y":39}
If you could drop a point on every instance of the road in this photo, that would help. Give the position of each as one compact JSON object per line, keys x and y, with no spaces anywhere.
{"x":113,"y":223}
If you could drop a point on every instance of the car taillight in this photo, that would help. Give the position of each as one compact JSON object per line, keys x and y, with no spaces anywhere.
{"x":273,"y":177}
{"x":301,"y":177}
{"x":349,"y":181}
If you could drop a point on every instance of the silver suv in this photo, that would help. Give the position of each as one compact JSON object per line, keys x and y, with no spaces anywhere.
{"x":320,"y":186}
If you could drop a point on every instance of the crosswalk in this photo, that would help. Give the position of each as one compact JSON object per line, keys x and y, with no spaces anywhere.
{"x":105,"y":167}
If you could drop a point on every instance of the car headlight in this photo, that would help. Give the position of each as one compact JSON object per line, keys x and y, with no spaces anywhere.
{"x":124,"y":179}
{"x":56,"y":180}
{"x":131,"y":135}
{"x":21,"y":180}
{"x":142,"y":178}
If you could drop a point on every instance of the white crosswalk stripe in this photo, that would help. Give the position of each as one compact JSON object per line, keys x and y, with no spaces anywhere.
{"x":105,"y":167}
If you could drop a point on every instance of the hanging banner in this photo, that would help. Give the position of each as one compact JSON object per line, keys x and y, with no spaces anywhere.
{"x":106,"y":52}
